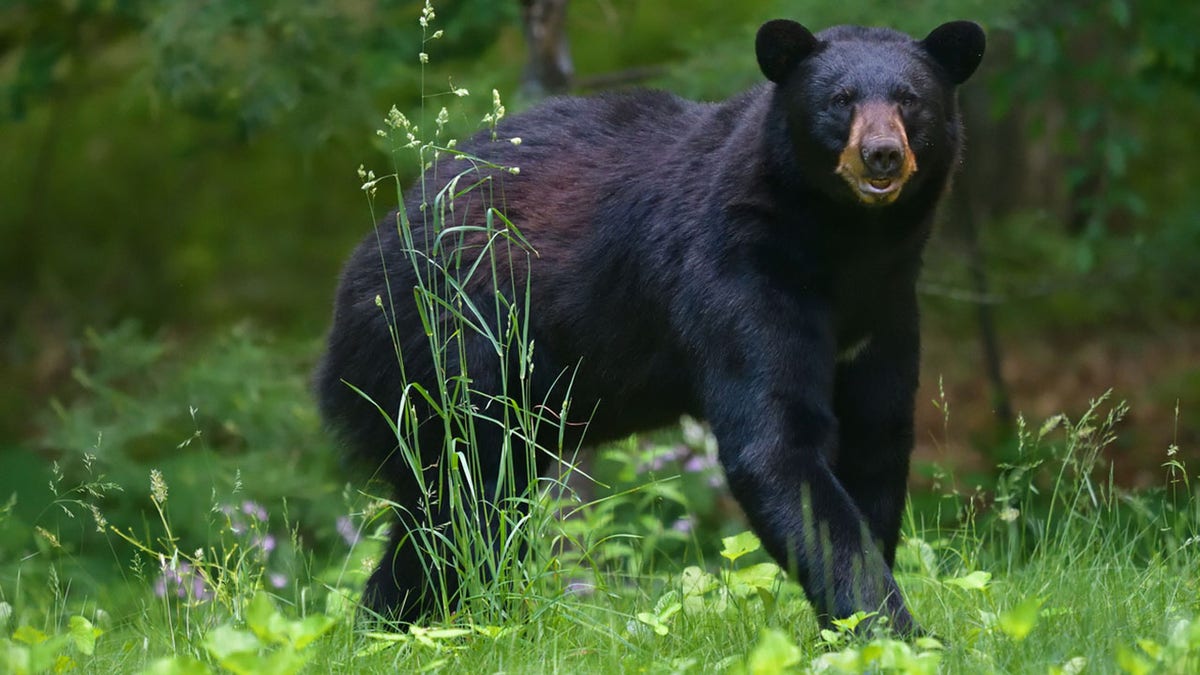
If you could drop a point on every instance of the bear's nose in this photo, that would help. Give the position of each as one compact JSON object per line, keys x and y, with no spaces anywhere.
{"x":883,"y":156}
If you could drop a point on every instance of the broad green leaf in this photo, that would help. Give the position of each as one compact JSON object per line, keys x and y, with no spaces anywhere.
{"x":29,"y":635}
{"x":925,"y":663}
{"x":1018,"y":621}
{"x":774,"y":653}
{"x":246,"y":663}
{"x":669,"y":611}
{"x":739,"y":545}
{"x":763,"y":576}
{"x":975,"y":581}
{"x":929,"y":644}
{"x":83,"y":634}
{"x":63,"y":663}
{"x":283,"y":662}
{"x":696,"y":581}
{"x":873,"y":652}
{"x":917,"y":553}
{"x":850,"y":623}
{"x":668,"y":600}
{"x":1132,"y":662}
{"x":259,"y":615}
{"x":652,"y":620}
{"x":845,"y":661}
{"x":768,"y":599}
{"x":225,"y":641}
{"x":830,"y":636}
{"x":1152,"y":648}
{"x":305,"y":631}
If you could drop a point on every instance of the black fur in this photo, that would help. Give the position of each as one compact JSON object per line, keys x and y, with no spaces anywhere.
{"x":705,"y":259}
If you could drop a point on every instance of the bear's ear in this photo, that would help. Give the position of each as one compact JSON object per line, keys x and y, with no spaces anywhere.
{"x":780,"y":46}
{"x":957,"y":47}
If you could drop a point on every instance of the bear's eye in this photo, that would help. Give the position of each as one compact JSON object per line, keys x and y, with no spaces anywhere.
{"x":841,"y":99}
{"x":907,"y":99}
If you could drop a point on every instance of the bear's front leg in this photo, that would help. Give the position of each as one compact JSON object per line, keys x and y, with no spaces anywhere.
{"x":873,"y":400}
{"x":769,"y":398}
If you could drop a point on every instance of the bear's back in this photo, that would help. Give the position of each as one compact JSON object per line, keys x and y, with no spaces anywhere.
{"x":592,"y":138}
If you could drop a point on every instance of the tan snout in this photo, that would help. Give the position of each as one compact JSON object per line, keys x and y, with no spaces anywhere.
{"x":877,"y":161}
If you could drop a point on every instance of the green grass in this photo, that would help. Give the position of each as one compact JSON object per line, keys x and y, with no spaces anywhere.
{"x":1046,"y":570}
{"x":1099,"y":603}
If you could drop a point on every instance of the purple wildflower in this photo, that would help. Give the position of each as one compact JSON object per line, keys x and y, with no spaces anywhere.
{"x":664,"y":457}
{"x":581,"y":588}
{"x":277,"y":580}
{"x":182,"y":581}
{"x":199,"y":588}
{"x":345,"y":527}
{"x":254,"y":509}
{"x":698,"y":463}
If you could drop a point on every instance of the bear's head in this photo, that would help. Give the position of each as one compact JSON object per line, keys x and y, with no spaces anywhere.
{"x":870,"y":113}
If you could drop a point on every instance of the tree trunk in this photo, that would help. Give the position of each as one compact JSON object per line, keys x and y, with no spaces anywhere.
{"x":964,"y":214}
{"x":549,"y":69}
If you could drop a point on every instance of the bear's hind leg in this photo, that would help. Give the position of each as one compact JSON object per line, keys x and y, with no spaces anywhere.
{"x":410,"y":583}
{"x":432,"y":562}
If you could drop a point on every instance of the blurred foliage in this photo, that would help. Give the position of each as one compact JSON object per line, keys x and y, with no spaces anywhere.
{"x":163,"y":156}
{"x":229,"y":431}
{"x":1080,"y":166}
{"x":1074,"y":53}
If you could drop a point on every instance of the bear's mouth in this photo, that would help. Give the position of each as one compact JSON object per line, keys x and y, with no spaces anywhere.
{"x":880,"y":186}
{"x":880,"y":189}
{"x":873,"y":191}
{"x":877,"y":162}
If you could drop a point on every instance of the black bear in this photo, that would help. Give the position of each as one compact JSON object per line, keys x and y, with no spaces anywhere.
{"x":751,"y":262}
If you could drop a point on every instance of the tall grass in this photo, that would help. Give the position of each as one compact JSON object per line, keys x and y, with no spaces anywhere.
{"x":473,"y":526}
